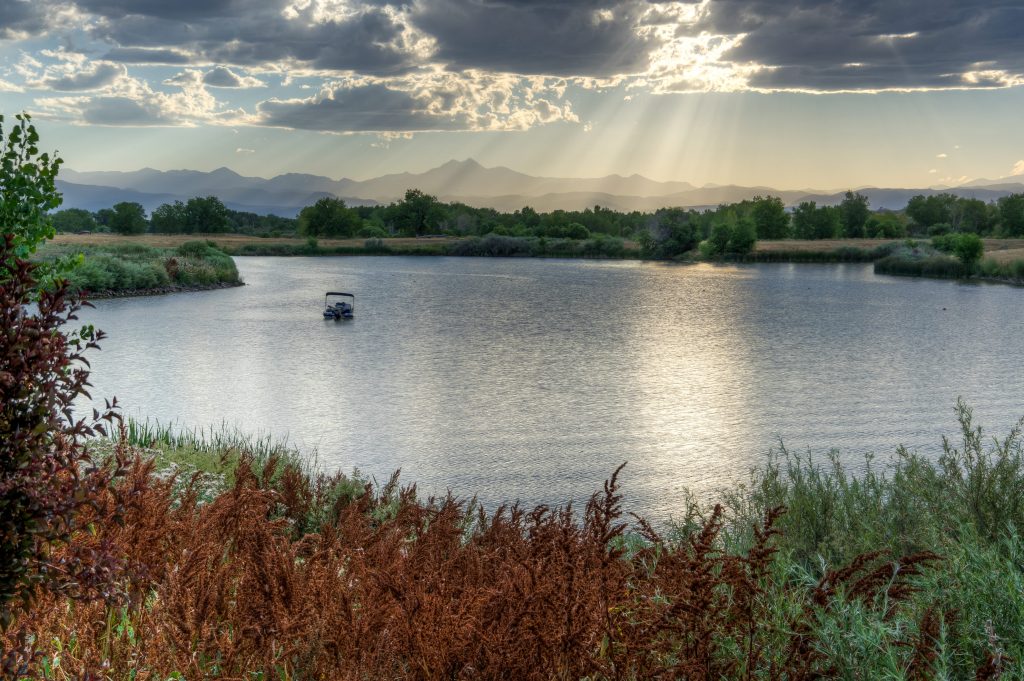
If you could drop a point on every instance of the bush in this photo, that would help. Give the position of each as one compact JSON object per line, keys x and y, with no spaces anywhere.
{"x":48,"y":479}
{"x":369,"y":231}
{"x":493,"y":245}
{"x":966,"y":246}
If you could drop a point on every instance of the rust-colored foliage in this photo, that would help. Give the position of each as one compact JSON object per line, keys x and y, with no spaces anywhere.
{"x":391,"y":587}
{"x":47,"y":477}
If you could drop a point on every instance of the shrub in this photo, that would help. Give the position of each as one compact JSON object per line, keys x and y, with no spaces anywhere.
{"x":369,"y":231}
{"x":47,"y":477}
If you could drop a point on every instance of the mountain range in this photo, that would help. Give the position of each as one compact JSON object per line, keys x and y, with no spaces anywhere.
{"x":463,"y":181}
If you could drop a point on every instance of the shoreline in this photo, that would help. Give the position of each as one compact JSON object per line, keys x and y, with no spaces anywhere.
{"x":159,"y":291}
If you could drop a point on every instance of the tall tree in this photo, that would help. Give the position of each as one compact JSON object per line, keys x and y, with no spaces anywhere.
{"x":813,"y":222}
{"x":206,"y":214}
{"x":169,"y":218}
{"x":73,"y":220}
{"x":1011,"y":215}
{"x":129,"y":218}
{"x":931,"y":210}
{"x":853,"y":214}
{"x":417,"y":213}
{"x":770,"y":217}
{"x":329,"y":217}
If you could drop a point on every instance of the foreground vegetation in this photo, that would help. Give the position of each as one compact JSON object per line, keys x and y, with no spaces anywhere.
{"x":137,"y":268}
{"x":234,"y":560}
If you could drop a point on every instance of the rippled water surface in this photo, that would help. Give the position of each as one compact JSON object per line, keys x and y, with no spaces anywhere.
{"x":534,"y":379}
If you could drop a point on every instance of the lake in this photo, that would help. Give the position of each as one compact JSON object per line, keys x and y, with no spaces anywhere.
{"x":534,"y":379}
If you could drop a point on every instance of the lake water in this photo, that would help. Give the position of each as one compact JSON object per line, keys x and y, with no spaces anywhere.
{"x":533,"y":379}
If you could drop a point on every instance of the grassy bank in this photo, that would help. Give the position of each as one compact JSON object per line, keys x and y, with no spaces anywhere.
{"x":134,"y":268}
{"x":239,"y":561}
{"x":921,"y":259}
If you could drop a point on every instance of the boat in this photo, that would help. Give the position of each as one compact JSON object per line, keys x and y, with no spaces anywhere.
{"x":342,"y":309}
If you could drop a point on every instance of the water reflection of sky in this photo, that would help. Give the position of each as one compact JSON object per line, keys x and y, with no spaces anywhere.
{"x":534,"y":379}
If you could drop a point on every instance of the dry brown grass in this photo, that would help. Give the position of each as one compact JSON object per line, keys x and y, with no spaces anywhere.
{"x":819,"y":245}
{"x":394,"y":588}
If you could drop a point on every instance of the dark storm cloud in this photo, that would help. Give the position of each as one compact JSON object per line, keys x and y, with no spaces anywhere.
{"x":96,"y":76}
{"x":21,"y":16}
{"x":229,"y":33}
{"x":554,"y":37}
{"x":182,"y":10}
{"x":372,"y":108}
{"x":810,"y":43}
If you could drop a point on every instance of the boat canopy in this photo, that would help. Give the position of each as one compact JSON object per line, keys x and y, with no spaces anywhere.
{"x":338,"y":293}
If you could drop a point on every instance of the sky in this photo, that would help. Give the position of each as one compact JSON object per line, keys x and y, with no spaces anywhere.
{"x":787,"y":94}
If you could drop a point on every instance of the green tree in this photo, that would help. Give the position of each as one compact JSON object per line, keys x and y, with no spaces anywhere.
{"x":813,"y":222}
{"x":1011,"y":214}
{"x":721,"y":233}
{"x":744,"y":235}
{"x":885,"y":226}
{"x":329,"y":217}
{"x":206,"y":214}
{"x":669,"y":232}
{"x":931,"y":210}
{"x":969,"y":249}
{"x":27,"y":186}
{"x":104,"y":217}
{"x":169,"y":218}
{"x":417,"y":213}
{"x":129,"y":218}
{"x":73,"y":220}
{"x":853,"y":214}
{"x":770,"y":217}
{"x":972,"y":215}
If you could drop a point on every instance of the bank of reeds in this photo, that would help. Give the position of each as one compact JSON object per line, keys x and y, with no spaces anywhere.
{"x":840,"y":254}
{"x":132,"y":267}
{"x":907,"y":570}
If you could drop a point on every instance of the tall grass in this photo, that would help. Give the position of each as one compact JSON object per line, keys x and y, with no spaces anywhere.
{"x":137,"y":267}
{"x":911,"y":569}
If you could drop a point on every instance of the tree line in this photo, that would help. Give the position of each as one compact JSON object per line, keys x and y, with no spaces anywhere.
{"x":728,"y":226}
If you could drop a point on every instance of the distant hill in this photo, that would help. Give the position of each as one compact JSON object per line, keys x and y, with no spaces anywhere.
{"x":464,"y":181}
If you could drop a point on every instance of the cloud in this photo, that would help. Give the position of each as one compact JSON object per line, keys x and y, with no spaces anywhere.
{"x":220,"y":77}
{"x":7,"y":86}
{"x":942,"y":155}
{"x":243,"y":150}
{"x":362,"y":108}
{"x":1018,"y":168}
{"x":141,"y":55}
{"x":581,"y":38}
{"x":21,"y":18}
{"x":91,"y":77}
{"x":872,"y":45}
{"x":224,"y":77}
{"x":272,"y":34}
{"x":132,"y":102}
{"x":426,"y":102}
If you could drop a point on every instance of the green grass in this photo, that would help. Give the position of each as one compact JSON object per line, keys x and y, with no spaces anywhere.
{"x":137,"y":267}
